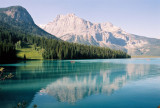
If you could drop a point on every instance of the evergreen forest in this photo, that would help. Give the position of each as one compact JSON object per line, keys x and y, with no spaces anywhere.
{"x":11,"y":39}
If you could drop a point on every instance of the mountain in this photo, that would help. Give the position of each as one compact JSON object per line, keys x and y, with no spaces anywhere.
{"x":18,"y":18}
{"x":20,"y":39}
{"x":74,"y":29}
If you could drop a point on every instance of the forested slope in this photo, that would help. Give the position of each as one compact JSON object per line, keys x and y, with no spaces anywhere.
{"x":52,"y":49}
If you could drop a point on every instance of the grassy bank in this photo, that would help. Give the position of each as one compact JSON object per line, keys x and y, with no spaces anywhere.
{"x":30,"y":52}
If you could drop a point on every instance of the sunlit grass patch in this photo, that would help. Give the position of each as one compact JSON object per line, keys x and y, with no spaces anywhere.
{"x":30,"y":52}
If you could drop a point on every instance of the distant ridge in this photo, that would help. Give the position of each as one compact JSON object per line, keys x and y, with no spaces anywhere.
{"x":74,"y":29}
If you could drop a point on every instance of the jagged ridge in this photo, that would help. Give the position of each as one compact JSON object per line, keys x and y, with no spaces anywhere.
{"x":74,"y":29}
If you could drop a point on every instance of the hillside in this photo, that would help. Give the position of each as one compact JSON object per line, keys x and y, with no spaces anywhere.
{"x":18,"y":18}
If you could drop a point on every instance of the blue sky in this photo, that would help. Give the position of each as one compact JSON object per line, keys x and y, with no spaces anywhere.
{"x":141,"y":17}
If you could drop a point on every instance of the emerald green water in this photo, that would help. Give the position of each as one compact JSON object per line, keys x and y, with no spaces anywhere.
{"x":110,"y":83}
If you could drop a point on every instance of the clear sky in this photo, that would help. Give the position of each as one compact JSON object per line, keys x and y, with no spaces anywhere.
{"x":141,"y":17}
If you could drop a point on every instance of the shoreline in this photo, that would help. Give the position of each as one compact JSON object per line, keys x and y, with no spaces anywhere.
{"x":145,"y":56}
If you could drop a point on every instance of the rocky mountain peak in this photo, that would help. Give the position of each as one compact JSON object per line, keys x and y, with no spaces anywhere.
{"x":72,"y":24}
{"x":66,"y":24}
{"x":74,"y":29}
{"x":70,"y":15}
{"x":63,"y":17}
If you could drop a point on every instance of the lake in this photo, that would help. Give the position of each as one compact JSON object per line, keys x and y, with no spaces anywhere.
{"x":95,"y":83}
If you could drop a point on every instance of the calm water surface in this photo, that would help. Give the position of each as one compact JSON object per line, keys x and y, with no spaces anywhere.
{"x":110,"y":83}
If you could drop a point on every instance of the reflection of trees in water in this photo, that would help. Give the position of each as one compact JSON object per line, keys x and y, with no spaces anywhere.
{"x":53,"y":69}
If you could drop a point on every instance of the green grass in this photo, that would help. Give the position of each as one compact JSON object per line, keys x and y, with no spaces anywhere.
{"x":30,"y":52}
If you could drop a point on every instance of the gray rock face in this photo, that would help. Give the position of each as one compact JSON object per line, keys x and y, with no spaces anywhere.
{"x":74,"y":29}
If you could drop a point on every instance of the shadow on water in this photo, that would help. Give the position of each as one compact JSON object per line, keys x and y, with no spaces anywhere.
{"x":67,"y":81}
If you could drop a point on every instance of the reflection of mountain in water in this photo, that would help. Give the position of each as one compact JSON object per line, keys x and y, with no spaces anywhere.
{"x":70,"y":89}
{"x":68,"y":81}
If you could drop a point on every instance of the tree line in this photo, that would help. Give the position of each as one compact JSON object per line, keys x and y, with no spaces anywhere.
{"x":7,"y":51}
{"x":53,"y":49}
{"x":63,"y":50}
